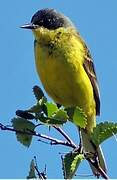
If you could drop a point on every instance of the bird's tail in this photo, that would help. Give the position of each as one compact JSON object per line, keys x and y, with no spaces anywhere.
{"x":90,"y":149}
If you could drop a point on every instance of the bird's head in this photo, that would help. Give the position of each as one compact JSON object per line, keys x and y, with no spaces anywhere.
{"x":48,"y":19}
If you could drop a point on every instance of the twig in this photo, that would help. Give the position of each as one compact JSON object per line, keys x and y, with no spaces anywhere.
{"x":98,"y":168}
{"x":24,"y":114}
{"x":41,"y":175}
{"x":65,"y":135}
{"x":54,"y":141}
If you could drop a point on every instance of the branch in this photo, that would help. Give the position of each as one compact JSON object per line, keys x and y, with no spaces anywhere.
{"x":54,"y":141}
{"x":27,"y":115}
{"x":98,"y":168}
{"x":65,"y":136}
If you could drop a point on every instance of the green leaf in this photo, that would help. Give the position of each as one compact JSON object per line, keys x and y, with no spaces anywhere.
{"x":61,"y":115}
{"x":24,"y":114}
{"x":70,"y":163}
{"x":56,"y":116}
{"x":70,"y":112}
{"x":31,"y":174}
{"x":38,"y":92}
{"x":51,"y":108}
{"x":79,"y":118}
{"x":35,"y":109}
{"x":103,"y":131}
{"x":23,"y":125}
{"x":51,"y":120}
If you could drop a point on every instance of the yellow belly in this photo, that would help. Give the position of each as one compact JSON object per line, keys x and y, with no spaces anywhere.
{"x":65,"y":80}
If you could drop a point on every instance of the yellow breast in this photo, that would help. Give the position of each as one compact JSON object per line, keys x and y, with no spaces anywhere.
{"x":59,"y":63}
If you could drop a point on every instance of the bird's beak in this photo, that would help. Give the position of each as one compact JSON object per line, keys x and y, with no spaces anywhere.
{"x":29,"y":26}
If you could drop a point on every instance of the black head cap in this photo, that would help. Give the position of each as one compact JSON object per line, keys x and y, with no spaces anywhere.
{"x":50,"y":19}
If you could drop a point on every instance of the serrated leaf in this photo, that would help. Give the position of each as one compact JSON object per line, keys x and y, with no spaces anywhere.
{"x":24,"y":126}
{"x":38,"y":92}
{"x":79,"y":118}
{"x":35,"y":109}
{"x":51,"y":108}
{"x":70,"y":163}
{"x":51,"y":121}
{"x":103,"y":131}
{"x":61,"y":115}
{"x":24,"y":114}
{"x":31,"y":174}
{"x":58,"y":118}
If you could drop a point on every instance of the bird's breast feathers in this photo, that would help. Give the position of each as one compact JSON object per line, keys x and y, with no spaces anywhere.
{"x":59,"y":61}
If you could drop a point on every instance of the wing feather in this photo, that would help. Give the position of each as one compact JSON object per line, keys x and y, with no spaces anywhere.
{"x":90,"y":70}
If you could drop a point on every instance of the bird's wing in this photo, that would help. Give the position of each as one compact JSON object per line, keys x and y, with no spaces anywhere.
{"x":90,"y":70}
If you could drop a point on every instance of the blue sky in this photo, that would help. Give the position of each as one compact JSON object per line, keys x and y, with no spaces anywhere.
{"x":96,"y":21}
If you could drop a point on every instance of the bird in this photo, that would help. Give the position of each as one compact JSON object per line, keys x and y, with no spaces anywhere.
{"x":66,"y":69}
